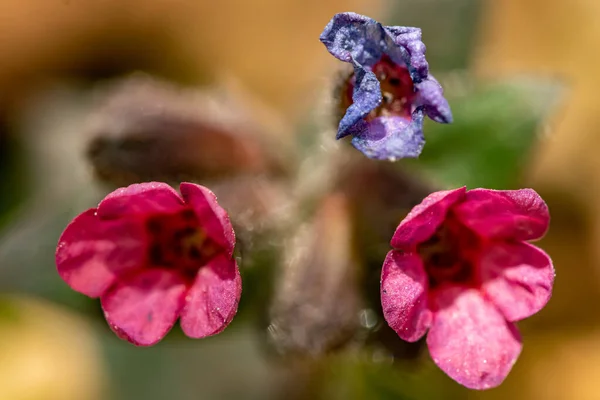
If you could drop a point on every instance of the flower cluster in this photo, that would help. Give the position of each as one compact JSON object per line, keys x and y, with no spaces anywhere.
{"x":462,"y":269}
{"x":153,"y":256}
{"x":390,"y":90}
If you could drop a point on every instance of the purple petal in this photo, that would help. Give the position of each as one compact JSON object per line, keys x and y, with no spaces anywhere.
{"x":139,"y":199}
{"x":143,"y":307}
{"x":409,"y":40}
{"x":424,"y":219}
{"x":391,"y":138}
{"x":354,"y":37}
{"x":212,"y":216}
{"x":470,"y":340}
{"x":350,"y":36}
{"x":404,"y":295}
{"x":366,"y":97}
{"x":408,"y":31}
{"x":505,"y":214}
{"x":517,"y":278}
{"x":92,"y":252}
{"x":212,"y":301}
{"x":430,"y":96}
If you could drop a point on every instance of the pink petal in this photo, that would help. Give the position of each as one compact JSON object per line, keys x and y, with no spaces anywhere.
{"x":512,"y":214}
{"x":211,"y":215}
{"x":404,"y":295}
{"x":140,"y":198}
{"x":213,"y":299}
{"x":470,"y":340}
{"x":517,"y":277}
{"x":424,"y":219}
{"x":92,"y":252}
{"x":143,"y":307}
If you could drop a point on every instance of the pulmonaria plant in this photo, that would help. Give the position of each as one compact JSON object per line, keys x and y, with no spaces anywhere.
{"x":153,"y":256}
{"x":462,"y":269}
{"x":390,"y":90}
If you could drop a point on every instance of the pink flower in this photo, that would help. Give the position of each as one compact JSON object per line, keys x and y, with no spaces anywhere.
{"x":462,"y":269}
{"x":152,"y":256}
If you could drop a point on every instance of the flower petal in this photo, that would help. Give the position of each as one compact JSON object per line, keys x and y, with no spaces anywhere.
{"x":92,"y":252}
{"x":409,"y":39}
{"x":469,"y":338}
{"x":404,"y":295}
{"x":424,"y":219}
{"x":350,"y":36}
{"x":213,"y":299}
{"x":430,"y":96}
{"x":365,"y":98}
{"x":212,"y":216}
{"x":391,"y":138}
{"x":140,"y":198}
{"x":517,"y":277}
{"x":505,"y":214}
{"x":143,"y":307}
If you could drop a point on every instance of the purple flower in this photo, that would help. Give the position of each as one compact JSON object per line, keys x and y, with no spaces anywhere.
{"x":390,"y":89}
{"x":462,"y":269}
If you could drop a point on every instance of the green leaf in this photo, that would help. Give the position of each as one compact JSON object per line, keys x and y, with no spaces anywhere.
{"x":449,"y":28}
{"x":357,"y":377}
{"x":490,"y":140}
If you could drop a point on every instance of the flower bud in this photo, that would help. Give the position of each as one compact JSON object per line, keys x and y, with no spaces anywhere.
{"x":317,"y":301}
{"x":147,"y":130}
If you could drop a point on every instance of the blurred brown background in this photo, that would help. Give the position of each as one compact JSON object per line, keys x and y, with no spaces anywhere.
{"x":272,"y":48}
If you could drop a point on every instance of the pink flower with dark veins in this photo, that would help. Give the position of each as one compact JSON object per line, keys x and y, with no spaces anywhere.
{"x":462,"y":268}
{"x":153,"y":256}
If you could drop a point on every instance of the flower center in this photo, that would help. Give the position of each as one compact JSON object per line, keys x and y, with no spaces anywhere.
{"x":450,"y":253}
{"x":397,"y":90}
{"x":177,"y":241}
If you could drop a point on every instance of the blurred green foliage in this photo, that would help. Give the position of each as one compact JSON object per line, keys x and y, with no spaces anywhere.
{"x":448,"y":28}
{"x":13,"y":175}
{"x":491,"y":139}
{"x":360,"y":376}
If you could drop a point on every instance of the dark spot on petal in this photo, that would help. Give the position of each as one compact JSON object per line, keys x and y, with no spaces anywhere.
{"x":190,"y":273}
{"x":184,"y":232}
{"x":464,"y":272}
{"x":435,"y":258}
{"x":194,"y":253}
{"x":188,"y":214}
{"x":153,"y":226}
{"x":443,"y":259}
{"x":155,"y":255}
{"x":149,"y":316}
{"x":435,"y":239}
{"x":178,"y":249}
{"x":189,"y":230}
